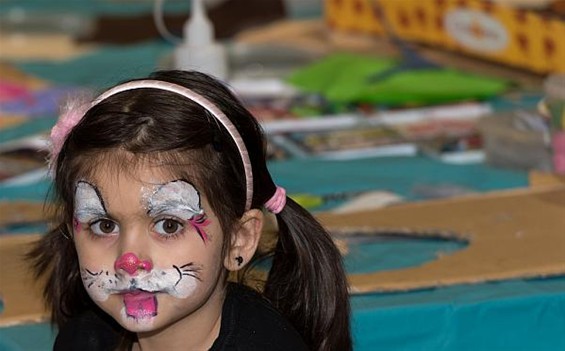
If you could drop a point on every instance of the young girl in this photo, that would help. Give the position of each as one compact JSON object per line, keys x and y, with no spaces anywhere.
{"x":160,"y":185}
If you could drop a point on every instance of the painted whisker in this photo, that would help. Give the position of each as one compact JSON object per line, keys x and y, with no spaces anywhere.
{"x":93,"y":273}
{"x":189,"y":269}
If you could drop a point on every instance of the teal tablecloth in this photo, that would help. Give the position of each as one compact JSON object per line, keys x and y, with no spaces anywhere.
{"x":506,"y":316}
{"x":520,"y":315}
{"x":411,"y":177}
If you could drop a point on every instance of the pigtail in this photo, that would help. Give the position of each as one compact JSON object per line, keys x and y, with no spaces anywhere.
{"x":307,"y":282}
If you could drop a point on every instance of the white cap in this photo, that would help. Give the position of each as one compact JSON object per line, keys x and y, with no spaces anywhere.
{"x":199,"y":51}
{"x":198,"y":30}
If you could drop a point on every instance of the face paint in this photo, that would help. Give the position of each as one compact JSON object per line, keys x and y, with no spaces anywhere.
{"x":139,"y":292}
{"x":178,"y":281}
{"x":180,"y":199}
{"x":88,"y":203}
{"x":131,"y":264}
{"x":140,"y":305}
{"x":147,"y":214}
{"x":198,"y":222}
{"x":76,"y":225}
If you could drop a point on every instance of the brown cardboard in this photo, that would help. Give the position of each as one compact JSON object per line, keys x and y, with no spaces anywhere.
{"x":20,"y":293}
{"x":13,"y":213}
{"x":510,"y":234}
{"x":11,"y":74}
{"x":540,"y":178}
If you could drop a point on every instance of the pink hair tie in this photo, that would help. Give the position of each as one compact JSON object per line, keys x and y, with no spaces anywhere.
{"x":277,"y":201}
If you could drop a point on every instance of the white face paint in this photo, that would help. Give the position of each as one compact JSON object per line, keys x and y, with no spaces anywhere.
{"x":88,"y":203}
{"x":144,"y":256}
{"x":177,"y":281}
{"x":177,"y":198}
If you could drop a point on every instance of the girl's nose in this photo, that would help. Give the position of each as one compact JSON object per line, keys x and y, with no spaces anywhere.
{"x":131,"y":264}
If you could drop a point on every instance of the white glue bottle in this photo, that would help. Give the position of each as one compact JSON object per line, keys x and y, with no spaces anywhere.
{"x":199,"y":51}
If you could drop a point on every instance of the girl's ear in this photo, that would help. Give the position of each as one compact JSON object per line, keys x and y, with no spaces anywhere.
{"x":244,"y":240}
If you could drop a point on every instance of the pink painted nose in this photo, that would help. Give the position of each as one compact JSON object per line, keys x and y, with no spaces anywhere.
{"x":130,"y":263}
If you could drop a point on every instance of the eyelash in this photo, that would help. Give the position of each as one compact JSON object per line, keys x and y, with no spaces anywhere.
{"x":194,"y":220}
{"x":171,"y":236}
{"x":96,"y":236}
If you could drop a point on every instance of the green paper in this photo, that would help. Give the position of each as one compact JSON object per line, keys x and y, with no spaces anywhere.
{"x":344,"y":78}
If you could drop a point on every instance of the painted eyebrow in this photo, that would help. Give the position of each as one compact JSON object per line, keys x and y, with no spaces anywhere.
{"x":96,"y":190}
{"x":182,"y":202}
{"x":91,"y":209}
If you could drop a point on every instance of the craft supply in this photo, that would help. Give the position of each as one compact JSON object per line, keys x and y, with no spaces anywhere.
{"x":18,"y":215}
{"x":199,"y":50}
{"x":509,"y":142}
{"x":558,"y":145}
{"x":21,"y":293}
{"x":553,"y":107}
{"x":315,"y":201}
{"x":411,"y":59}
{"x":511,"y":235}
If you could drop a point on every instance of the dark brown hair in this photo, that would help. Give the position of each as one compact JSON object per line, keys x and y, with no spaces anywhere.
{"x":306,"y":282}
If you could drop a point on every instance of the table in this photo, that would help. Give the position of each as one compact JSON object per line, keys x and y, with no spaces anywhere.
{"x":503,"y":316}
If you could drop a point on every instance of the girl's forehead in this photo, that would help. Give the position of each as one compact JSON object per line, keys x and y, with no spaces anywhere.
{"x":137,"y":176}
{"x":152,"y":193}
{"x":120,"y":166}
{"x":144,"y":179}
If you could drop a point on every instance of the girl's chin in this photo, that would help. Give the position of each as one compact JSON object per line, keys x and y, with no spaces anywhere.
{"x":134,"y":324}
{"x":137,"y":325}
{"x":135,"y":311}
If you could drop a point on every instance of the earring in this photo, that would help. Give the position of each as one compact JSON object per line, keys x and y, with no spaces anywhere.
{"x":239,"y":260}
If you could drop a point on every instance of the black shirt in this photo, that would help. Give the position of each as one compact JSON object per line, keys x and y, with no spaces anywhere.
{"x":249,"y":323}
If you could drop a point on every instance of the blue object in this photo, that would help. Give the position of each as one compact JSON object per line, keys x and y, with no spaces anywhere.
{"x":400,"y":175}
{"x":27,"y":337}
{"x":372,"y":254}
{"x":521,"y":315}
{"x":101,"y":68}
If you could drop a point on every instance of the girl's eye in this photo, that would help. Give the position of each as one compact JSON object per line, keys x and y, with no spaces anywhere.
{"x":104,"y":227}
{"x":168,"y":227}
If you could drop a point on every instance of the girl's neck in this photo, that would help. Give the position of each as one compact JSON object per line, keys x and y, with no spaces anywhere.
{"x":198,"y":331}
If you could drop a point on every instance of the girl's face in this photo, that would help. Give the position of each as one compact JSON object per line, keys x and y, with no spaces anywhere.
{"x":149,"y":248}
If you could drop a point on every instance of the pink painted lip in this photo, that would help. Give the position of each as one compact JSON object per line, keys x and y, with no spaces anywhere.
{"x":137,"y":294}
{"x":140,"y":304}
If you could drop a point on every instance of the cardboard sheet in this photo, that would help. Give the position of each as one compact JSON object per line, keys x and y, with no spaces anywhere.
{"x":54,"y":47}
{"x":20,"y":293}
{"x":10,"y":74}
{"x":21,"y":213}
{"x":510,"y":234}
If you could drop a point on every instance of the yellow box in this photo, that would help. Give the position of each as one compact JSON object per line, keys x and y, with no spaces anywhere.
{"x":521,"y":38}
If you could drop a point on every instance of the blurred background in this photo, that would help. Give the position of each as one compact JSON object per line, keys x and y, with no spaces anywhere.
{"x":366,"y":104}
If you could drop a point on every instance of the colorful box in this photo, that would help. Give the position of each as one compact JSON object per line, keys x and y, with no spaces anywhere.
{"x":521,"y":38}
